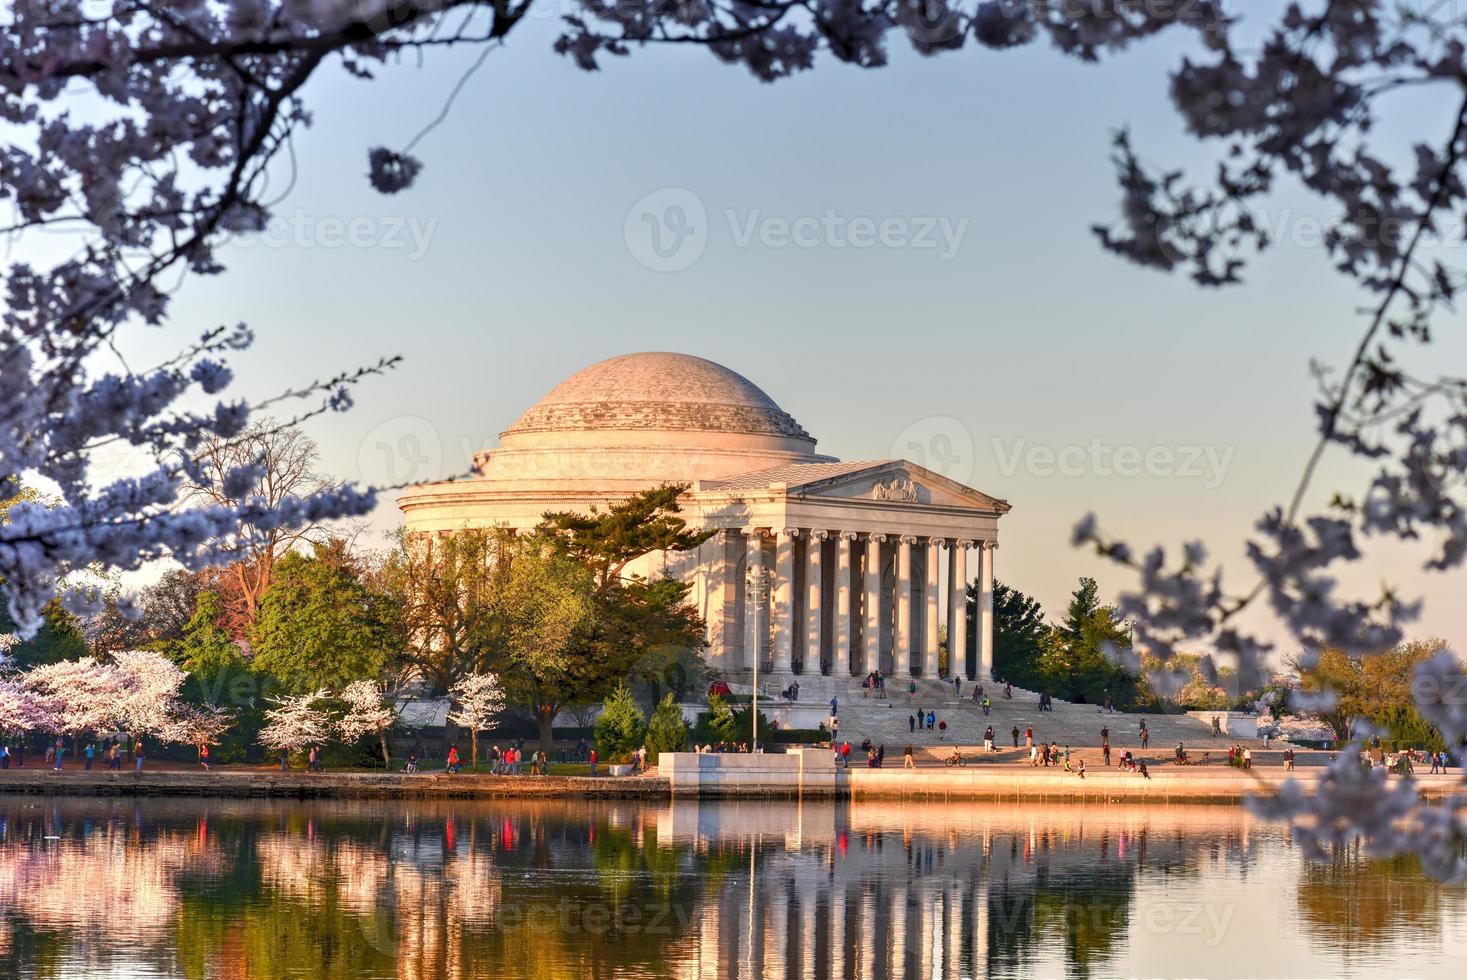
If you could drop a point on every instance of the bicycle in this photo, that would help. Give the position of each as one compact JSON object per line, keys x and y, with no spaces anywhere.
{"x":956,"y":759}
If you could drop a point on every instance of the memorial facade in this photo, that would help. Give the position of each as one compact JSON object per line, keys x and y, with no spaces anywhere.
{"x":816,"y":566}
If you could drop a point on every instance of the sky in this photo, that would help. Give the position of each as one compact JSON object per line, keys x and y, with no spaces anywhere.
{"x":899,"y":257}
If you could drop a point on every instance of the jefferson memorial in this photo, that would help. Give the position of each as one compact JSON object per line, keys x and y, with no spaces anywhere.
{"x":817,"y":566}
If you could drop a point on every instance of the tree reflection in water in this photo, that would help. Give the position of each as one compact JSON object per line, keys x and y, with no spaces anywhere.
{"x":245,"y":889}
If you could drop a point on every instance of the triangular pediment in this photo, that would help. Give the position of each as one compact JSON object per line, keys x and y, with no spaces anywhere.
{"x":898,"y":482}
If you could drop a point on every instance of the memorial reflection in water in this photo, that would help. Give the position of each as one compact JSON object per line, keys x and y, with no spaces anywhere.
{"x":757,"y":890}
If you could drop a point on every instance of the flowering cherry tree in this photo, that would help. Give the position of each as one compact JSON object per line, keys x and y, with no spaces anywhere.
{"x":82,"y":695}
{"x":479,"y":702}
{"x":296,"y":721}
{"x":191,"y":103}
{"x":367,"y":712}
{"x":22,"y":709}
{"x":197,"y":726}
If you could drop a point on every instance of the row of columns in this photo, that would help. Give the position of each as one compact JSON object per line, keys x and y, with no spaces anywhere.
{"x":806,"y":637}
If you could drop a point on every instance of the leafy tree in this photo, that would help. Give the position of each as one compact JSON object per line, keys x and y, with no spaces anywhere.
{"x":607,"y":541}
{"x":319,"y":626}
{"x":448,"y":591}
{"x":719,"y":720}
{"x":1076,"y":662}
{"x":1374,"y":687}
{"x":545,"y":604}
{"x":59,"y":638}
{"x":1019,"y":634}
{"x":621,"y":728}
{"x":667,"y":731}
{"x":642,"y":629}
{"x":205,"y":648}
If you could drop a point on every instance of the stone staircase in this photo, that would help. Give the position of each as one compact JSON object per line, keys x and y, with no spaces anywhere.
{"x":862,"y":715}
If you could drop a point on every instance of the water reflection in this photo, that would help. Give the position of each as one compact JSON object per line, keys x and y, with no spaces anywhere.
{"x":742,"y":890}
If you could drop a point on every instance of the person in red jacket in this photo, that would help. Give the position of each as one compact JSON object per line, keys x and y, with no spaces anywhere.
{"x":593,"y":762}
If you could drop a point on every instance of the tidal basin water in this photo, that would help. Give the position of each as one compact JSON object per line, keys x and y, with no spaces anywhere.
{"x":260,"y":889}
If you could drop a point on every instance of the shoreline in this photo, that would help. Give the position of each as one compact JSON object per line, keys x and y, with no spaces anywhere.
{"x":994,"y":783}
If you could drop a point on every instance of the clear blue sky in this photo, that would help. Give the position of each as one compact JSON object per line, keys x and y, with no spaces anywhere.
{"x":1028,"y":336}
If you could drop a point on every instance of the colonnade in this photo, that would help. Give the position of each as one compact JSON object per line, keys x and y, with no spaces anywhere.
{"x":873,"y":612}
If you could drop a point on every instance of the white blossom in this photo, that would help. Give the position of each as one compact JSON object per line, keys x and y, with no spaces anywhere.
{"x":297,"y":721}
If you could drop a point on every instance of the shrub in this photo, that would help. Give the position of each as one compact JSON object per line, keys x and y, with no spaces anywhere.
{"x":666,"y":731}
{"x":621,"y":727}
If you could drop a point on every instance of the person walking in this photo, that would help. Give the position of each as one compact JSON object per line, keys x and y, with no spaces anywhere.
{"x":1033,"y":755}
{"x":1105,"y":743}
{"x":957,"y":686}
{"x":60,"y":751}
{"x":1016,"y":736}
{"x":907,"y":760}
{"x":987,"y":705}
{"x":834,"y":705}
{"x":1145,"y":735}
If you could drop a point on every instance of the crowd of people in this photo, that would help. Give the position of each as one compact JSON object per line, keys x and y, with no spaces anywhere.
{"x":109,"y":752}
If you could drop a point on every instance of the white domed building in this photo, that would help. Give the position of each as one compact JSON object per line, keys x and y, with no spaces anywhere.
{"x":817,"y":566}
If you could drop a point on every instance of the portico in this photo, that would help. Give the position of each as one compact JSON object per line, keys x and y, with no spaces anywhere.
{"x":844,"y":568}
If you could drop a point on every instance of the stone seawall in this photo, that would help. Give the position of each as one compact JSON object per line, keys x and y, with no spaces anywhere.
{"x":365,"y":786}
{"x":808,"y":774}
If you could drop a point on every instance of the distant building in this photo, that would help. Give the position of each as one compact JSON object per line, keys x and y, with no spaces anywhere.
{"x":818,"y":566}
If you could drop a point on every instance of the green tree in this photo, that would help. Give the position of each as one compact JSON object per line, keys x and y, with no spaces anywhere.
{"x":320,"y":626}
{"x":544,"y":604}
{"x":1075,"y":658}
{"x":607,"y":541}
{"x":448,"y":590}
{"x":60,"y":638}
{"x":621,"y":728}
{"x":667,"y":731}
{"x":1019,"y":634}
{"x":206,"y":648}
{"x":719,"y":721}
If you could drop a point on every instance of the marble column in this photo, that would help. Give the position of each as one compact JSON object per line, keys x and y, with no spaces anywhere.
{"x":784,"y":600}
{"x":930,"y":649}
{"x":902,"y":654}
{"x":814,"y":586}
{"x":985,"y":609}
{"x":754,"y":604}
{"x":871,"y":603}
{"x":957,"y":613}
{"x":841,"y":645}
